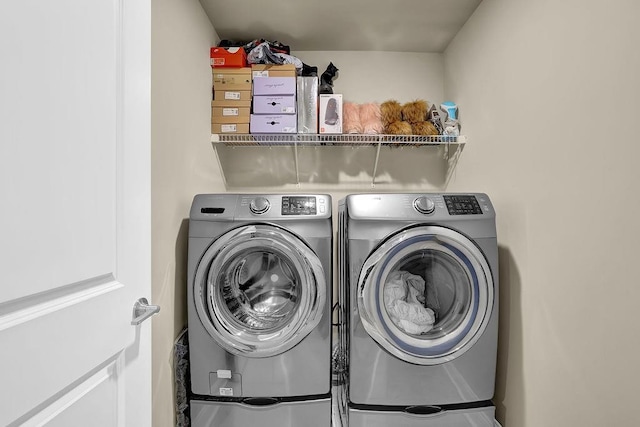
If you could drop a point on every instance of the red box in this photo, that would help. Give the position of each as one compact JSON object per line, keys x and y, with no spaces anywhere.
{"x":228,"y":57}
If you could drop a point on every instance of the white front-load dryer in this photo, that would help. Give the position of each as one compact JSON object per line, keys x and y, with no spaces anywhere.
{"x":419,"y":308}
{"x":259,"y":309}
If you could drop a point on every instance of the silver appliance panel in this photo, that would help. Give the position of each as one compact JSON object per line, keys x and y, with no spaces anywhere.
{"x":311,"y":413}
{"x":476,"y":417}
{"x":420,"y":206}
{"x":365,"y":221}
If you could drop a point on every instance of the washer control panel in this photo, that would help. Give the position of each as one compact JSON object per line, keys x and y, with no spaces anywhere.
{"x":299,"y":205}
{"x":291,"y":206}
{"x":251,"y":207}
{"x":462,"y":205}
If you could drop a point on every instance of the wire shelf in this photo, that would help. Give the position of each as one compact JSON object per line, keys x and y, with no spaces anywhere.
{"x":238,"y":140}
{"x":299,"y":145}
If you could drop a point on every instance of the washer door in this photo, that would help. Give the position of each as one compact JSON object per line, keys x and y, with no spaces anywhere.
{"x":259,"y":290}
{"x":426,"y":294}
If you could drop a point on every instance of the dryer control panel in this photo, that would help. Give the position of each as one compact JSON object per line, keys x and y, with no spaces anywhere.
{"x":462,"y":205}
{"x":420,"y":206}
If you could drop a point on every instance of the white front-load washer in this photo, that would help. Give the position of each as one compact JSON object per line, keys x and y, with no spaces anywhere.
{"x":259,"y":309}
{"x":418,"y":278}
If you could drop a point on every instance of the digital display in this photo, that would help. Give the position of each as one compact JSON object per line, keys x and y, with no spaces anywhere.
{"x":462,"y":205}
{"x":298,"y":205}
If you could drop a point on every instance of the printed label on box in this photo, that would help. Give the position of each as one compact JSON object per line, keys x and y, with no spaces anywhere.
{"x":264,"y":73}
{"x":228,"y":128}
{"x":217,"y":62}
{"x":232,"y":95}
{"x":230,"y":111}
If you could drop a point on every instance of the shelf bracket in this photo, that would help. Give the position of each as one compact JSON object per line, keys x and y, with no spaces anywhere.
{"x":295,"y":156}
{"x":375,"y":165}
{"x":216,"y":149}
{"x":452,"y":161}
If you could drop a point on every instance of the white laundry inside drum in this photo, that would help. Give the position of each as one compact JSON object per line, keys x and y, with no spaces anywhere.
{"x":427,"y":294}
{"x":404,"y":299}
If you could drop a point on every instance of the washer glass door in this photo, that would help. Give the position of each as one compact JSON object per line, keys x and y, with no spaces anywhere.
{"x":426,"y":294}
{"x":259,"y":290}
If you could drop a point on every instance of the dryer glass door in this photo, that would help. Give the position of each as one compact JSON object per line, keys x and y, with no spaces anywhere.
{"x":426,"y":294}
{"x":259,"y":290}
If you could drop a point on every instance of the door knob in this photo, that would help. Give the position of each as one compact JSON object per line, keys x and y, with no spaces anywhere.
{"x":142,"y":310}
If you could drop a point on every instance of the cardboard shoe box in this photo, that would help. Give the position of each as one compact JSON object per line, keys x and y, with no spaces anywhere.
{"x":232,"y":95}
{"x":230,"y":112}
{"x":234,"y":57}
{"x":228,"y":79}
{"x":272,"y":70}
{"x":230,"y":128}
{"x":330,"y":117}
{"x":274,"y":104}
{"x":274,"y":86}
{"x":273,"y":123}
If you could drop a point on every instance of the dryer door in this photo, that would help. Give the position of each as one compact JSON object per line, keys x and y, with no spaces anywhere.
{"x":426,"y":294}
{"x":259,"y":290}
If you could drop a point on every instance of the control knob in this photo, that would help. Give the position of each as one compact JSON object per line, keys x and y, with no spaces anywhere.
{"x":424,"y":205}
{"x":259,"y":205}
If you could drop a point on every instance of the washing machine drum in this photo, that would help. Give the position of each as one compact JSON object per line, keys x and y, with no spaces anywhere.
{"x":259,"y":290}
{"x":426,"y":294}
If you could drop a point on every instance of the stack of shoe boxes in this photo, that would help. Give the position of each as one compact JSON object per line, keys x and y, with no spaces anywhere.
{"x":231,"y":105}
{"x":274,"y":99}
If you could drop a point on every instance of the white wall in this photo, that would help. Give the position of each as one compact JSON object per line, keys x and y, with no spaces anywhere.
{"x":183,"y":164}
{"x":548,"y":94}
{"x":380,"y":76}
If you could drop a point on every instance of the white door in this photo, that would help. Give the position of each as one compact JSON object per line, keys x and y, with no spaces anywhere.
{"x":75,"y":212}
